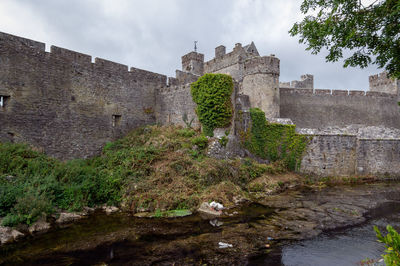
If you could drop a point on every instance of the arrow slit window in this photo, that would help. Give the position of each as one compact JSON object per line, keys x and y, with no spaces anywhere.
{"x":3,"y":101}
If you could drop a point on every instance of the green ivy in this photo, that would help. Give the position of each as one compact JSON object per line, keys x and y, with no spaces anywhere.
{"x":212,"y":93}
{"x":223,"y":141}
{"x":275,"y":141}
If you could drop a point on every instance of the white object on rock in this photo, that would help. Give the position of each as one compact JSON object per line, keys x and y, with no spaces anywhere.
{"x":224,"y":245}
{"x":207,"y":212}
{"x":216,"y":206}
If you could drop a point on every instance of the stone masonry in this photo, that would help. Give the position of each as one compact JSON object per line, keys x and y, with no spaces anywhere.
{"x":68,"y":106}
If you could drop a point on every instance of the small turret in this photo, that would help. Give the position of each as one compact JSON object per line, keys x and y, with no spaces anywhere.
{"x":193,"y":63}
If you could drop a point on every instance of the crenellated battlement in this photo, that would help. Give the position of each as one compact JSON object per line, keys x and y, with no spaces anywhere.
{"x":62,"y":56}
{"x":306,"y":82}
{"x":383,"y":83}
{"x":79,"y":102}
{"x":21,"y":42}
{"x":79,"y":105}
{"x":76,"y":57}
{"x":262,"y":65}
{"x":328,"y":92}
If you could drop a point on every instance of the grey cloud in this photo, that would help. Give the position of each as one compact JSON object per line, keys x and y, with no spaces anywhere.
{"x":153,"y":35}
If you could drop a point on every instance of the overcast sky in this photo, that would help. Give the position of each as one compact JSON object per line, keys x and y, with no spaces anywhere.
{"x":154,"y":34}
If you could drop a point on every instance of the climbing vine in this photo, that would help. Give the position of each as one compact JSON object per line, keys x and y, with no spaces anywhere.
{"x":212,"y":93}
{"x":275,"y":141}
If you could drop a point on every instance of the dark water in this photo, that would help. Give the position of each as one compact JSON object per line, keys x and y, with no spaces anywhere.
{"x":121,"y":240}
{"x":345,"y":247}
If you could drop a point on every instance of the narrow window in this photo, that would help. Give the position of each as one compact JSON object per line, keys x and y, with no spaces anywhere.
{"x":3,"y":101}
{"x":116,"y":120}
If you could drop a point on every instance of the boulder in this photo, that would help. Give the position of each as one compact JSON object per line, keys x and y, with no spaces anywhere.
{"x":67,"y":217}
{"x":40,"y":226}
{"x":7,"y":235}
{"x":110,"y":209}
{"x":207,"y":212}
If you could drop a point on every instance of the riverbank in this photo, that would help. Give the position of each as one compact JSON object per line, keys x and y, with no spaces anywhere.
{"x":151,"y":170}
{"x":255,"y":230}
{"x":163,"y":171}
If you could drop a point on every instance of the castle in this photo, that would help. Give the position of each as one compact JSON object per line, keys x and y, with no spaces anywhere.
{"x":69,"y":106}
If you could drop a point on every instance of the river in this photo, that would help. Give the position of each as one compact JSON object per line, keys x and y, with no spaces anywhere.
{"x":121,"y":239}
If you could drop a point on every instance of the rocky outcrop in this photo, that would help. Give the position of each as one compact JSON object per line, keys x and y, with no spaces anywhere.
{"x":8,"y":234}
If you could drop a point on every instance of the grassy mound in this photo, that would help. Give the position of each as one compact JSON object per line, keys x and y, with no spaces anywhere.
{"x":151,"y":169}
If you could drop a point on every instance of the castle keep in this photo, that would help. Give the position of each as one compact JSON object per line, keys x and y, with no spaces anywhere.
{"x":69,"y":105}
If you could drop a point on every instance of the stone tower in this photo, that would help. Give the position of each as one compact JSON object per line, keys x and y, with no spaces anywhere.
{"x":382,"y":83}
{"x":193,"y":63}
{"x":261,"y":83}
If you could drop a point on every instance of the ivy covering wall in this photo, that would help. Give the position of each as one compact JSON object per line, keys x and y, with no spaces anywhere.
{"x":212,"y":94}
{"x":275,"y":141}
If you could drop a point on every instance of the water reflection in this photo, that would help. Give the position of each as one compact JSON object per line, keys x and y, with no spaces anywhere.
{"x":347,"y":247}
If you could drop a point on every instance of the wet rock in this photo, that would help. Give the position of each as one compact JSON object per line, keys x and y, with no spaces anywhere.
{"x":239,"y":200}
{"x":67,"y":217}
{"x":142,"y":214}
{"x":88,"y":210}
{"x":8,"y":234}
{"x":207,"y":212}
{"x":40,"y":226}
{"x":110,"y":209}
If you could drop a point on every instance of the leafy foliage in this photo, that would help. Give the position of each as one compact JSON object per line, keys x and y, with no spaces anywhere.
{"x":201,"y":142}
{"x":275,"y":141}
{"x":151,"y":168}
{"x":392,"y":244}
{"x":370,"y":31}
{"x":223,"y":141}
{"x":212,"y":94}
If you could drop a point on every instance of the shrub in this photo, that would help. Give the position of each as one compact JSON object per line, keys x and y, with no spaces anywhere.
{"x":223,"y":141}
{"x":200,"y":141}
{"x":186,"y":132}
{"x":212,"y":94}
{"x":392,"y":245}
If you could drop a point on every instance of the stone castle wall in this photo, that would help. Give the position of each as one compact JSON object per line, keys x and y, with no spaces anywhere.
{"x":173,"y":104}
{"x":330,"y":155}
{"x":306,"y":82}
{"x":231,"y":63}
{"x":322,"y":108}
{"x":349,"y":155}
{"x":382,"y":83}
{"x":68,"y":106}
{"x":62,"y":103}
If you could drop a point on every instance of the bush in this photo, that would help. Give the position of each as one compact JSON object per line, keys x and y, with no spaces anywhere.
{"x":392,"y":245}
{"x":200,"y":141}
{"x":223,"y":141}
{"x":212,"y":94}
{"x":186,"y":132}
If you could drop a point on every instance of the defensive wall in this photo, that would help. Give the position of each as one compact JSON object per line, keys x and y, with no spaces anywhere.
{"x":69,"y":106}
{"x":322,"y":108}
{"x":382,"y":83}
{"x":350,"y":155}
{"x":306,"y":82}
{"x":62,"y":103}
